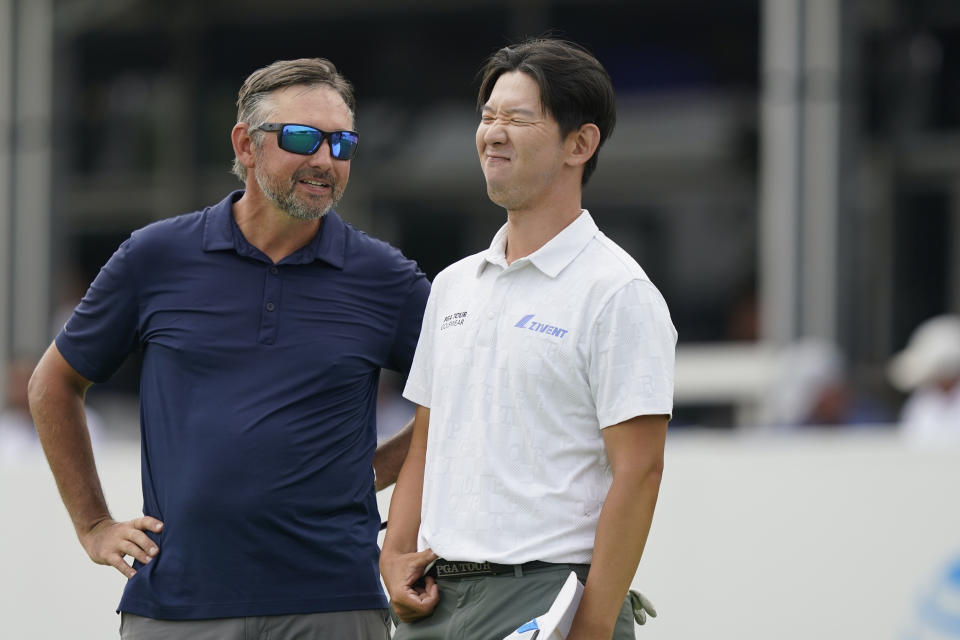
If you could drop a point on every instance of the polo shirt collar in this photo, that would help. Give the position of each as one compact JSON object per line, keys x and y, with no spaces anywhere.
{"x":221,"y":233}
{"x":551,"y":258}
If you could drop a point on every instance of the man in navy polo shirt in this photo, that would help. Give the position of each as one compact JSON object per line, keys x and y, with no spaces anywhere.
{"x":264,"y":322}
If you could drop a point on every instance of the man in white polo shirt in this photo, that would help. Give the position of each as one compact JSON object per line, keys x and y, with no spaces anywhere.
{"x":543,"y":379}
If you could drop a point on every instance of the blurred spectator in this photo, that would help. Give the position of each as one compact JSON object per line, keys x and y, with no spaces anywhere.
{"x":810,"y":387}
{"x":18,"y":437}
{"x":929,"y":369}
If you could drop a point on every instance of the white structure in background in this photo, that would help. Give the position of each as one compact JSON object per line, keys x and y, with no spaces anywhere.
{"x":800,"y":182}
{"x":804,"y":536}
{"x":26,"y":148}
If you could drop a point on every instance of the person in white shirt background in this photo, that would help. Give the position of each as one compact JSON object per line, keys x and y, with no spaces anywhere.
{"x":929,"y":370}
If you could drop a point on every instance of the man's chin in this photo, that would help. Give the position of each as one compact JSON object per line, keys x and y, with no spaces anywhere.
{"x":500,"y":198}
{"x":307,"y":216}
{"x":299,"y":211}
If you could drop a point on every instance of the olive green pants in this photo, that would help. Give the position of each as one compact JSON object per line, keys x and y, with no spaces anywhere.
{"x":492,"y":607}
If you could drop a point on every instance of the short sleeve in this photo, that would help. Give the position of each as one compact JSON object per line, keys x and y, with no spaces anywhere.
{"x":420,"y":381}
{"x":632,"y":353}
{"x":103,"y":329}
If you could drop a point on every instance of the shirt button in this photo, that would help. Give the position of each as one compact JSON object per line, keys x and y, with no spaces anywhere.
{"x":274,"y":270}
{"x":270,"y":306}
{"x":490,"y":315}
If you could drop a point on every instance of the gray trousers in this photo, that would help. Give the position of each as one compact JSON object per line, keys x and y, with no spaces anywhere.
{"x":491,"y":607}
{"x":370,"y":624}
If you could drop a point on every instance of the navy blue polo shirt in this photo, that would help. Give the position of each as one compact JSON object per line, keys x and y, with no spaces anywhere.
{"x":257,"y":408}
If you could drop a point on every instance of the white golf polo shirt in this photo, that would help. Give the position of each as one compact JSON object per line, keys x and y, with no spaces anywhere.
{"x":521,"y":367}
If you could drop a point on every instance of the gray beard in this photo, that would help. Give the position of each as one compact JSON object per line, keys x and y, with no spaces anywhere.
{"x":286,"y":202}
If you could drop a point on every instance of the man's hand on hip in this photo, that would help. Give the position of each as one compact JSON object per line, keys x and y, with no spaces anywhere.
{"x":108,"y":541}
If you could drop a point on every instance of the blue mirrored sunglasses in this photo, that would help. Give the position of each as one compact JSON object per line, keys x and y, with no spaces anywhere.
{"x":305,"y":140}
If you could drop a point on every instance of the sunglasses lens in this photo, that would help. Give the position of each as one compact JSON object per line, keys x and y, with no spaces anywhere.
{"x":299,"y":139}
{"x":343,"y":144}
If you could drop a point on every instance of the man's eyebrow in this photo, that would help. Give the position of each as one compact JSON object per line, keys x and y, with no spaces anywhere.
{"x":518,"y":111}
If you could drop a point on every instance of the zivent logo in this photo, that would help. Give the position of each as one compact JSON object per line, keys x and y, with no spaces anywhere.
{"x":527,"y":322}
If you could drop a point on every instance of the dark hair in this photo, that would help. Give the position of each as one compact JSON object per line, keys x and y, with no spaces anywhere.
{"x":574,"y":87}
{"x":253,"y":100}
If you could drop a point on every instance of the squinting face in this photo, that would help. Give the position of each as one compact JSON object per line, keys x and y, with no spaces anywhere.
{"x":521,"y":151}
{"x":305,"y":187}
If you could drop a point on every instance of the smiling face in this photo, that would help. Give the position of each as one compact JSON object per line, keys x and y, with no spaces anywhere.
{"x":304,"y":187}
{"x":520,"y":147}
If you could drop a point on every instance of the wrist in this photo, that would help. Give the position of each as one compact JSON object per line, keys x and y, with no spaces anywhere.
{"x":591,"y":623}
{"x":86,"y":528}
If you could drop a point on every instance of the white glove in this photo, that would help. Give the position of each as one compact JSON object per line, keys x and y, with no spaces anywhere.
{"x":641,"y":607}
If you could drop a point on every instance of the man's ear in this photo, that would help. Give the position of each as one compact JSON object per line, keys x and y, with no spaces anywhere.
{"x":582,"y":144}
{"x":243,"y":146}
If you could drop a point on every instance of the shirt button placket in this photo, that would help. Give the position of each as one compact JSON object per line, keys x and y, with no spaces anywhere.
{"x":271,"y":297}
{"x":487,"y":336}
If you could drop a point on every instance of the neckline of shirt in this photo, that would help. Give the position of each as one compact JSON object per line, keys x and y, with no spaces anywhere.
{"x":552,"y":257}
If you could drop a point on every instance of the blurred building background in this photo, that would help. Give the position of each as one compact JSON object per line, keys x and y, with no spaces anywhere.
{"x":784,"y":170}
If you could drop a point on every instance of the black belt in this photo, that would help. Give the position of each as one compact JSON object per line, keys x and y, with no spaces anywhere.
{"x":457,"y":569}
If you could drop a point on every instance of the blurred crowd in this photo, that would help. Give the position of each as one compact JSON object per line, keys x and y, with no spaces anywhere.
{"x":812,"y":386}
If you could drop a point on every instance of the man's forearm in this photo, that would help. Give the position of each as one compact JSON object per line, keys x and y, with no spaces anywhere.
{"x":413,"y":595}
{"x":404,"y":516}
{"x":57,"y":407}
{"x":389,"y":457}
{"x":56,"y":393}
{"x":620,"y":539}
